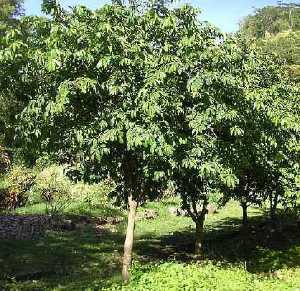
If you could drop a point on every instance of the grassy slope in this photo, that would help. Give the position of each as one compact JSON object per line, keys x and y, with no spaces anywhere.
{"x":254,"y":259}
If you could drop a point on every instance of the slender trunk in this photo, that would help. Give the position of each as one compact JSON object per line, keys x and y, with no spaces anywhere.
{"x":273,"y":206}
{"x":199,"y":236}
{"x":245,"y":213}
{"x":128,"y":244}
{"x":199,"y":229}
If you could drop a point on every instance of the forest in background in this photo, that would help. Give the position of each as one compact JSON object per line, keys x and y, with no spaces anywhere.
{"x":277,"y":30}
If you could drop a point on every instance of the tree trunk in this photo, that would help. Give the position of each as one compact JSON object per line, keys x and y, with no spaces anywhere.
{"x":128,"y":244}
{"x":245,"y":213}
{"x":273,"y":206}
{"x":199,"y":236}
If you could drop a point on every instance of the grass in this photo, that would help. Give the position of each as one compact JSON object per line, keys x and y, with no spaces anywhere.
{"x":73,"y":209}
{"x":256,"y":258}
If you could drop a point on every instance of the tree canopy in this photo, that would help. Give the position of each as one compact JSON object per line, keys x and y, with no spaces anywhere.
{"x":9,"y":10}
{"x":150,"y":97}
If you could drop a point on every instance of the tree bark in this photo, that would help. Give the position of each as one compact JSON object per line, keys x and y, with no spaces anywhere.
{"x":128,"y":244}
{"x":245,"y":213}
{"x":199,"y":236}
{"x":273,"y":206}
{"x":200,"y":230}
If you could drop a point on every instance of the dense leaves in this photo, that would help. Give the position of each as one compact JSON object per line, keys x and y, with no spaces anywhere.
{"x":277,"y":30}
{"x":150,"y":97}
{"x":9,"y":11}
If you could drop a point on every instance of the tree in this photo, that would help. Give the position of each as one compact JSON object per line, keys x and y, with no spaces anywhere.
{"x":282,"y":163}
{"x":102,"y":93}
{"x":266,"y":151}
{"x":142,"y":5}
{"x":9,"y":10}
{"x":293,"y":12}
{"x":250,"y":190}
{"x":212,"y":125}
{"x":236,"y":131}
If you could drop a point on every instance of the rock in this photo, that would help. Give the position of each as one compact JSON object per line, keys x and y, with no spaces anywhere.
{"x":24,"y":227}
{"x":147,"y":214}
{"x":114,"y":220}
{"x":109,"y":220}
{"x":176,"y":211}
{"x":151,"y":214}
{"x":67,"y":224}
{"x":29,"y":275}
{"x":182,"y":212}
{"x":80,"y":226}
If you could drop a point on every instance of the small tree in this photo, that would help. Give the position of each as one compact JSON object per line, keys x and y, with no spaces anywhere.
{"x":54,"y":189}
{"x":101,"y":93}
{"x":236,"y":132}
{"x":278,"y":149}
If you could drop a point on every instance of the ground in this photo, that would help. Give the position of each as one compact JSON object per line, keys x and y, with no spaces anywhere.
{"x":259,"y":257}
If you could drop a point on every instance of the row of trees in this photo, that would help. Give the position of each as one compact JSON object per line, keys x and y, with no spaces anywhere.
{"x":150,"y":98}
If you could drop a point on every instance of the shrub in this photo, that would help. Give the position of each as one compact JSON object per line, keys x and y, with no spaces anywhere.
{"x":4,"y":198}
{"x":43,"y":162}
{"x":5,"y":160}
{"x":93,"y":194}
{"x":54,"y":188}
{"x":19,"y":181}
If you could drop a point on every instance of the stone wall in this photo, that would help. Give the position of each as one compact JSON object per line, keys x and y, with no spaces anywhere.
{"x":23,"y":227}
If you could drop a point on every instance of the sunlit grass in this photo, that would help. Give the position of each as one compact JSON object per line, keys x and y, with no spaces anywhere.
{"x":163,"y":255}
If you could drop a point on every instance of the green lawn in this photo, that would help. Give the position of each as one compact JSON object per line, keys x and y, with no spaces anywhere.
{"x":258,"y":258}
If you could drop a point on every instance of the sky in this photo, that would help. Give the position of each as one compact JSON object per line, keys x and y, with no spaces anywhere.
{"x":226,"y":14}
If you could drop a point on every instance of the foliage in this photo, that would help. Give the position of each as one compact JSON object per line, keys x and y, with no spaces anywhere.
{"x":9,"y":9}
{"x":205,"y":276}
{"x":110,"y":137}
{"x":142,"y":5}
{"x":5,"y":160}
{"x":272,"y":20}
{"x":276,"y":30}
{"x":143,"y":97}
{"x":54,"y":188}
{"x":10,"y":106}
{"x":19,"y":181}
{"x":232,"y":127}
{"x":93,"y":194}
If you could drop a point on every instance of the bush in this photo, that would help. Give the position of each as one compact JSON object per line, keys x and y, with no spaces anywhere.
{"x":19,"y":180}
{"x":43,"y":162}
{"x":54,"y":188}
{"x":4,"y":198}
{"x":93,"y":194}
{"x":5,"y":160}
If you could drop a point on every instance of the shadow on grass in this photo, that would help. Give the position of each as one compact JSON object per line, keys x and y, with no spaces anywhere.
{"x":260,"y":247}
{"x":78,"y":260}
{"x":71,"y":260}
